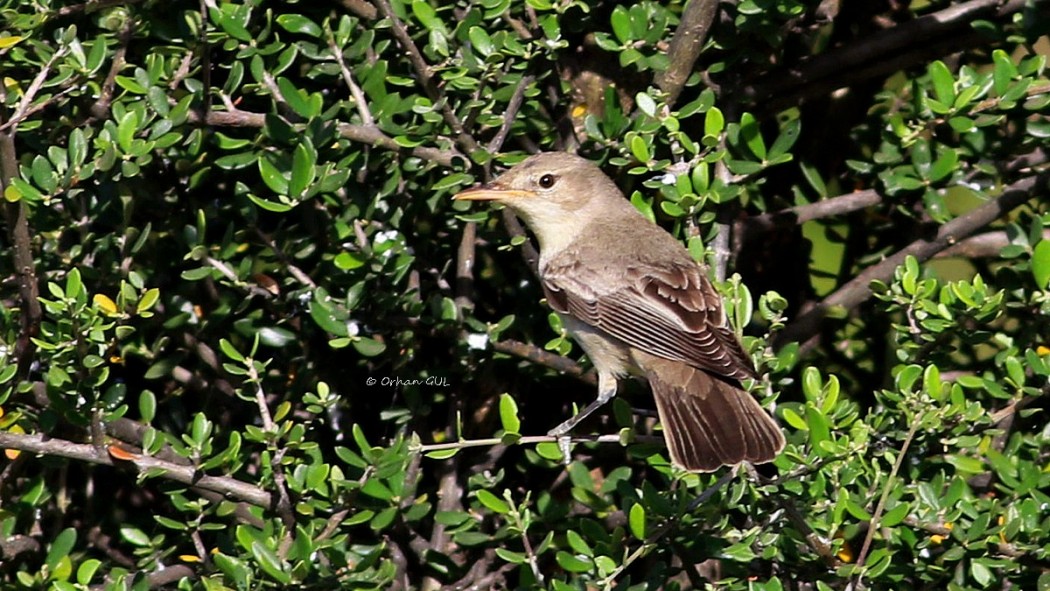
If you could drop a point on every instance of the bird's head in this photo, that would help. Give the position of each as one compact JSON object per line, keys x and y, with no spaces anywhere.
{"x":556,"y":194}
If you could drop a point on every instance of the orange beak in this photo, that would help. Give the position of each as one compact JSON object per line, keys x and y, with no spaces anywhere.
{"x":490,"y":192}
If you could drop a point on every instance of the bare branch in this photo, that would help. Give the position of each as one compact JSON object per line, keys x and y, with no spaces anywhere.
{"x":753,"y":226}
{"x":545,"y":358}
{"x":685,"y":46}
{"x":858,"y":290}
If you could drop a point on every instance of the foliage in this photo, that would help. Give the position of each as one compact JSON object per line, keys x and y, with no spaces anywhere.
{"x":250,"y":342}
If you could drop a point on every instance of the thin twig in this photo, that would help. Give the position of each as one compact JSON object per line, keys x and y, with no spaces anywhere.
{"x":100,"y":108}
{"x":30,"y":93}
{"x":527,"y":440}
{"x":511,"y":112}
{"x":873,"y":526}
{"x":348,"y":78}
{"x":293,"y":270}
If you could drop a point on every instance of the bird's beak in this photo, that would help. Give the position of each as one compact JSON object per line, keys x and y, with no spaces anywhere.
{"x":491,"y":192}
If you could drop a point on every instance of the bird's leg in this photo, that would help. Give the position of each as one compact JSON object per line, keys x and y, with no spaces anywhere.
{"x":606,"y":391}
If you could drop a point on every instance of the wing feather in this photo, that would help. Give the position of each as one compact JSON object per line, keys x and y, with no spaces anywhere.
{"x":669,"y":310}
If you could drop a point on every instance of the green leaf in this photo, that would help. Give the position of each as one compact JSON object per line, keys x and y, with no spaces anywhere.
{"x":126,"y":129}
{"x":818,"y":427}
{"x":752,"y":135}
{"x":786,"y":140}
{"x":621,"y":24}
{"x":134,"y":536}
{"x":714,"y":124}
{"x":1004,"y":71}
{"x":943,"y":82}
{"x":946,"y":164}
{"x":511,"y":556}
{"x":895,"y":515}
{"x":493,"y":502}
{"x":481,"y":41}
{"x":86,"y":570}
{"x":368,"y":347}
{"x":303,"y":172}
{"x":270,"y":563}
{"x":573,"y":564}
{"x":578,"y":544}
{"x":640,"y":149}
{"x":792,"y":418}
{"x":646,"y":104}
{"x":230,"y":351}
{"x":508,"y":414}
{"x":61,"y":547}
{"x":273,"y":178}
{"x":297,"y":23}
{"x":636,"y":521}
{"x":1041,"y":264}
{"x":295,"y":98}
{"x":130,"y":85}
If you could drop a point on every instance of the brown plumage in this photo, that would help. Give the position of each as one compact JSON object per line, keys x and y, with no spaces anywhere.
{"x":636,"y":301}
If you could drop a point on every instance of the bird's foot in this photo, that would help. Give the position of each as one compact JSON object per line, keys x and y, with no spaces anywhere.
{"x":564,"y":441}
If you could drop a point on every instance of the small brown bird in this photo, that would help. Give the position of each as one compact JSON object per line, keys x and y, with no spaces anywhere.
{"x":637,"y":302}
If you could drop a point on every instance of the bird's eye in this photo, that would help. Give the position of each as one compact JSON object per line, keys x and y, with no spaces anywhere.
{"x":547,"y":181}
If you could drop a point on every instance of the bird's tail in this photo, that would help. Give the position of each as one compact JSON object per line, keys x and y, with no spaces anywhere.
{"x":708,"y":422}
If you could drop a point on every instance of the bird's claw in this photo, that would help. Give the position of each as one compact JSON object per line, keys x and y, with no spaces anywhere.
{"x":564,"y":443}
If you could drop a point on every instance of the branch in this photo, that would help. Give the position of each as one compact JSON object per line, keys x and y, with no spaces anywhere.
{"x":685,"y":46}
{"x":465,"y":256}
{"x":357,"y":133}
{"x":361,"y":8}
{"x":348,"y":78}
{"x":513,"y":106}
{"x":833,"y":64}
{"x":16,"y":215}
{"x":751,"y":227}
{"x":228,"y":487}
{"x":858,"y":290}
{"x":545,"y":358}
{"x":528,"y":440}
{"x":981,"y":246}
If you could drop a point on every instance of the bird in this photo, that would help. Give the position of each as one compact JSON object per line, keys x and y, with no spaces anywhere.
{"x":637,"y":303}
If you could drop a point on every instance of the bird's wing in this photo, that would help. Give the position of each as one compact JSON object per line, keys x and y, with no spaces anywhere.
{"x":669,"y":310}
